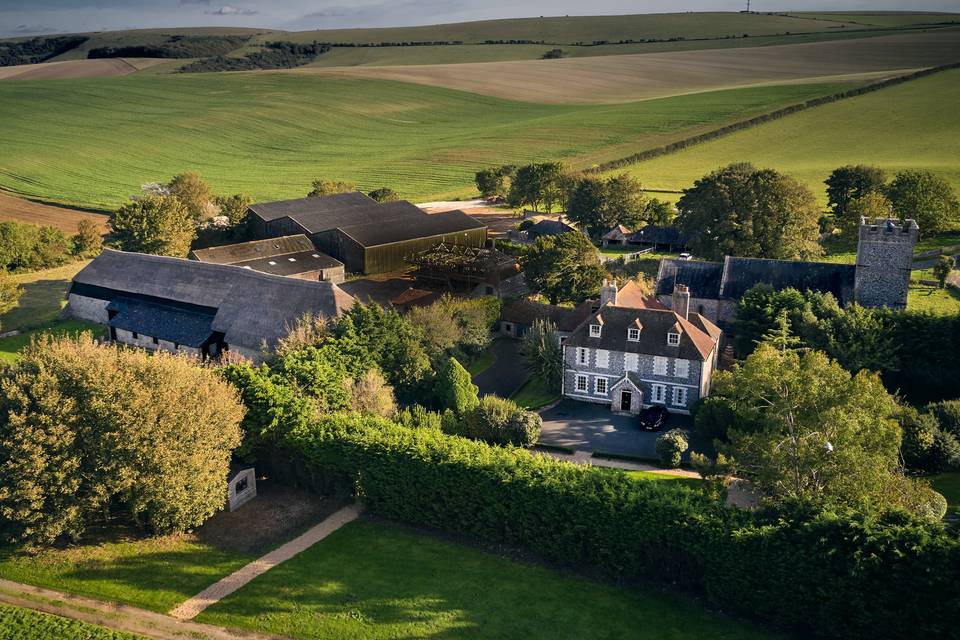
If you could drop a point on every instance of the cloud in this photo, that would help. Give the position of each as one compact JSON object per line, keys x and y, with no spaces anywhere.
{"x":228,"y":10}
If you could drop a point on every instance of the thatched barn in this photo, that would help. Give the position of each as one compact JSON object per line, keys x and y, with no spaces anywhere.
{"x":197,"y":308}
{"x":367,"y":236}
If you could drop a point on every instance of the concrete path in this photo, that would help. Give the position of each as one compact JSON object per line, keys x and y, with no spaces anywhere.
{"x":119,"y":617}
{"x":217,"y":591}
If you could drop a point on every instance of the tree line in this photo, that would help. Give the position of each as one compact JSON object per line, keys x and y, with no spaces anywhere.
{"x":274,"y":55}
{"x":176,"y":46}
{"x":37,"y":50}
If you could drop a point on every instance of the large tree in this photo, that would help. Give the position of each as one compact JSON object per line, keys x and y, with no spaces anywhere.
{"x":849,"y":183}
{"x":871,"y":205}
{"x":323,"y":187}
{"x":194,"y":193}
{"x":234,"y":207}
{"x":88,"y":240}
{"x":564,"y":268}
{"x":804,"y":429}
{"x":161,"y":225}
{"x":538,"y":185}
{"x":743,"y":211}
{"x":89,"y":432}
{"x":599,"y":204}
{"x":925,"y":197}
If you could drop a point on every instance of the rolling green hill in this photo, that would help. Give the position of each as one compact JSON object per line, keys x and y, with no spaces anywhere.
{"x":93,"y":142}
{"x":912,"y":125}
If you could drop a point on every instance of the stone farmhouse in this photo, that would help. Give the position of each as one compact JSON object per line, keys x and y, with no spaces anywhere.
{"x":631,"y":357}
{"x":290,"y":256}
{"x":880,"y":277}
{"x":196,"y":308}
{"x":366,"y":236}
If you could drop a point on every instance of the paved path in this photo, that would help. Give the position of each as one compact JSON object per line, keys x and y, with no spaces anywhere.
{"x":506,"y":374}
{"x":119,"y":617}
{"x":219,"y":590}
{"x":586,"y":458}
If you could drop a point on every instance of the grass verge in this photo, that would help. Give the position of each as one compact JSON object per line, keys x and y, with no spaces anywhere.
{"x":949,"y":485}
{"x":44,"y":295}
{"x":22,"y":624}
{"x":369,"y":580}
{"x":534,"y":394}
{"x":10,"y":347}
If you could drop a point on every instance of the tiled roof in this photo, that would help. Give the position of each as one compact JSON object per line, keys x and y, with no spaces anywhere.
{"x":616,"y":232}
{"x":631,"y":295}
{"x":549,"y":228}
{"x":695,"y":343}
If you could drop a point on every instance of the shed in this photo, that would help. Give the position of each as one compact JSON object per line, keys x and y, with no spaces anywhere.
{"x":667,"y":237}
{"x":616,"y":237}
{"x":291,"y":256}
{"x":241,"y":487}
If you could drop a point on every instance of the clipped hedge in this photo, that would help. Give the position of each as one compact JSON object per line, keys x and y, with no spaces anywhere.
{"x":848,"y":575}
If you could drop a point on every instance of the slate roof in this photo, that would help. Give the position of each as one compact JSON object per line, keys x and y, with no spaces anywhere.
{"x":250,"y":307}
{"x":655,"y":324}
{"x":285,"y":256}
{"x":425,"y":225}
{"x":565,"y":318}
{"x":703,"y":278}
{"x":653,"y":234}
{"x":181,"y":326}
{"x":268,"y":211}
{"x":740,"y":274}
{"x":234,"y":253}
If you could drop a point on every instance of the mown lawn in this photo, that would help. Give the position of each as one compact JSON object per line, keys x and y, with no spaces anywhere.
{"x":481,"y":362}
{"x":153,"y":573}
{"x":11,"y":347}
{"x":426,"y":142}
{"x":44,"y":295}
{"x":534,"y":394}
{"x":924,"y":297}
{"x":912,"y":125}
{"x":24,"y":624}
{"x":369,"y":581}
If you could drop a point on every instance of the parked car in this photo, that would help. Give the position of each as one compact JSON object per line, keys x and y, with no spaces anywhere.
{"x":653,"y":418}
{"x":686,"y":256}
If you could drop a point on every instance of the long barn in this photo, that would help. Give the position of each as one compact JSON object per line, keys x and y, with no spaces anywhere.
{"x":367,"y":236}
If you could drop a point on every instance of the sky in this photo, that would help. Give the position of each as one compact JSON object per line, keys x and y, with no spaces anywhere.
{"x":33,"y":17}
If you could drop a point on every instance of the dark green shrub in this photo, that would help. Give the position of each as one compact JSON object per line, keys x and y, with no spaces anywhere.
{"x":670,"y":447}
{"x":834,"y":574}
{"x":499,"y":421}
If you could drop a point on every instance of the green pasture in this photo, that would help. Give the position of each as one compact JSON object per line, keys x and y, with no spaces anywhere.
{"x":912,"y":125}
{"x":94,"y":142}
{"x":25,"y":624}
{"x":369,"y":581}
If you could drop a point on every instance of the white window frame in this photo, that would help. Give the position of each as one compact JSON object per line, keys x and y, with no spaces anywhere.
{"x":596,"y":331}
{"x":586,"y":383}
{"x":658,"y":393}
{"x":583,"y":355}
{"x":602,"y":359}
{"x":680,"y":395}
{"x":681,"y":368}
{"x":596,"y":386}
{"x":673,"y":339}
{"x":660,"y":364}
{"x":633,"y":334}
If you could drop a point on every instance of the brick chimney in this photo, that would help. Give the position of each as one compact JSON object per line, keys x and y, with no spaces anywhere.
{"x":681,"y":300}
{"x":608,"y":293}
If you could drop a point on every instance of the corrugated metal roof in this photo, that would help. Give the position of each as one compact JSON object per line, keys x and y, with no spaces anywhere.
{"x":371,"y":213}
{"x":268,"y":211}
{"x":388,"y":231}
{"x":234,"y":253}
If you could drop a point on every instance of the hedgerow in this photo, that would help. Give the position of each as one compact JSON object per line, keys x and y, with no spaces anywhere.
{"x":849,"y":575}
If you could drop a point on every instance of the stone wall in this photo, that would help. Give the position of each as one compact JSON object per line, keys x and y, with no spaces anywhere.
{"x":89,"y":309}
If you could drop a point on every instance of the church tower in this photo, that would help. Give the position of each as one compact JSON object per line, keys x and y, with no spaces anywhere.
{"x":884,"y":260}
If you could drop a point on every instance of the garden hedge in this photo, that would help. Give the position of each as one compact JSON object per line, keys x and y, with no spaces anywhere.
{"x":848,"y":575}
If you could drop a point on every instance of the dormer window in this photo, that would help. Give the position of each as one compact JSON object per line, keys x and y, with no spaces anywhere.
{"x":673,"y":339}
{"x":595,"y":331}
{"x":633,"y":335}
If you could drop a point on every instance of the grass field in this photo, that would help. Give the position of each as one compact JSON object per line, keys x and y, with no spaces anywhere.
{"x":11,"y":347}
{"x":153,"y":573}
{"x":623,"y":78}
{"x":369,"y":581}
{"x":913,"y":125}
{"x":534,"y":394}
{"x":44,"y":295}
{"x":881,"y":18}
{"x":270,"y":134}
{"x":24,"y":624}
